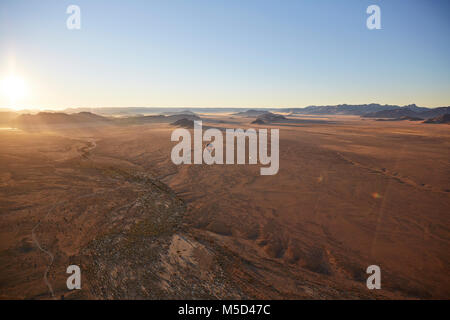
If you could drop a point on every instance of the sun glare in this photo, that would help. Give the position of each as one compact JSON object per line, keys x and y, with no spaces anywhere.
{"x":14,"y":89}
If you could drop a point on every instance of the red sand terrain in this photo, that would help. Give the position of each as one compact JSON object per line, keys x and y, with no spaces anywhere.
{"x":349,"y":193}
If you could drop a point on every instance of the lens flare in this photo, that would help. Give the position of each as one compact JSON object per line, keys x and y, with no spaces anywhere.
{"x":376,"y":195}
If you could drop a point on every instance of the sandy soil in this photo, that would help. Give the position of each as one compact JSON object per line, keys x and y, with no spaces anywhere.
{"x":349,"y":193}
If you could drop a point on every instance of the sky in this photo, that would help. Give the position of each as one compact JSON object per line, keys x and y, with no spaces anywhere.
{"x":224,"y":53}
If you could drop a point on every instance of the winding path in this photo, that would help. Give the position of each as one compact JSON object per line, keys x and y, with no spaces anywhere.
{"x":33,"y":235}
{"x":91,"y":146}
{"x":391,"y":175}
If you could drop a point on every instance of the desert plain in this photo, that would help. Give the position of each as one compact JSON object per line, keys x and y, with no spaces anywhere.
{"x":350,"y":192}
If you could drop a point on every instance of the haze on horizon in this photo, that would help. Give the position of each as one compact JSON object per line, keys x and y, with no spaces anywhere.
{"x":224,"y":54}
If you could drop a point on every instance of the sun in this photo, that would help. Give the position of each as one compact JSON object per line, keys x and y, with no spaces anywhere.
{"x":13,"y":88}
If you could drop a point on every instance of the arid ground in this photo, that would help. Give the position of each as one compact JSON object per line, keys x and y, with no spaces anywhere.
{"x":349,"y":193}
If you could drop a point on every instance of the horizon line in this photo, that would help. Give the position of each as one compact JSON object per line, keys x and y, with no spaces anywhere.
{"x":15,"y":109}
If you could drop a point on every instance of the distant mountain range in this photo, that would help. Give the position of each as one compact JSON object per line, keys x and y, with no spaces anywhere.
{"x":372,"y":110}
{"x":157,"y":118}
{"x":61,"y":121}
{"x":174,"y":113}
{"x":137,"y":111}
{"x":344,"y":109}
{"x":85,"y":119}
{"x":44,"y":120}
{"x":423,"y":113}
{"x":251,"y":113}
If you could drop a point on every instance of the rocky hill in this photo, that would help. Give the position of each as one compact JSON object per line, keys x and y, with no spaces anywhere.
{"x":440,"y":119}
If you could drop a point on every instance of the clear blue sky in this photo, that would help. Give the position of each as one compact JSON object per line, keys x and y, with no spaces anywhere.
{"x":249,"y":53}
